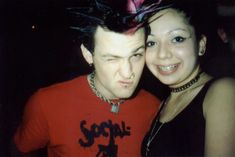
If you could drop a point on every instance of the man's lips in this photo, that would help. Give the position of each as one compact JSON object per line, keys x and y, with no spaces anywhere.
{"x":125,"y":83}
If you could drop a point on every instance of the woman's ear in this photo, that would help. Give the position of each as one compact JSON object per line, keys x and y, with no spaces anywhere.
{"x":87,"y":54}
{"x":202,"y":45}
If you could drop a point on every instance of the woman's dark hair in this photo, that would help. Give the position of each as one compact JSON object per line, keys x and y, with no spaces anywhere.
{"x":201,"y":14}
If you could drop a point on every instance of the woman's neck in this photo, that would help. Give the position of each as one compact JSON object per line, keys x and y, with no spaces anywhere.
{"x":188,"y":79}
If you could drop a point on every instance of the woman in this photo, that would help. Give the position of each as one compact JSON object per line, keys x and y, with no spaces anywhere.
{"x":198,"y":117}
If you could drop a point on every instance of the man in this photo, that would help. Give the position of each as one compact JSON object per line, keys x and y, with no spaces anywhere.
{"x":98,"y":114}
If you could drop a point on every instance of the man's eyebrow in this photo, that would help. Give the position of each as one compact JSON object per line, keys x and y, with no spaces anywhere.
{"x":116,"y":56}
{"x":110,"y":55}
{"x":136,"y":50}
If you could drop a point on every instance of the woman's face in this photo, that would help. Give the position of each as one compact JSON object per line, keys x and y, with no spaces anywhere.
{"x":172,"y":51}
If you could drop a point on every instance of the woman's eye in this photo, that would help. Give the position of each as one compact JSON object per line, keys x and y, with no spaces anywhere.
{"x":178,"y":39}
{"x":150,"y":43}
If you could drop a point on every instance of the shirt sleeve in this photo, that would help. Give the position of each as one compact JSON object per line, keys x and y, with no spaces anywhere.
{"x":32,"y":133}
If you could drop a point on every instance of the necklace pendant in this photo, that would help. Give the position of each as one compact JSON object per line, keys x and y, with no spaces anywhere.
{"x":114,"y":108}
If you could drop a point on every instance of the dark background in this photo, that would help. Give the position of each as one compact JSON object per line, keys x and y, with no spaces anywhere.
{"x":38,"y":49}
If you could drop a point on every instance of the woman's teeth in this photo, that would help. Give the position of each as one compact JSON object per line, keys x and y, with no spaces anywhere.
{"x":167,"y":68}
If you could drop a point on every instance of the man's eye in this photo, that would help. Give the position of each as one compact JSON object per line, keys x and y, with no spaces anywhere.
{"x":138,"y":55}
{"x":150,"y":43}
{"x":110,"y":59}
{"x":178,"y":39}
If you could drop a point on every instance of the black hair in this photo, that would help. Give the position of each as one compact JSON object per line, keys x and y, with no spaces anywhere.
{"x":110,"y":15}
{"x":113,"y":15}
{"x":201,"y":14}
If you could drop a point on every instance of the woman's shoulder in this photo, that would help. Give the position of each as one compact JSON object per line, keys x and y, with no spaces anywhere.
{"x":220,"y":95}
{"x":222,"y":85}
{"x":219,"y":114}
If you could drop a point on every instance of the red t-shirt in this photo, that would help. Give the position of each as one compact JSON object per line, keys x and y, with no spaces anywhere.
{"x":71,"y":121}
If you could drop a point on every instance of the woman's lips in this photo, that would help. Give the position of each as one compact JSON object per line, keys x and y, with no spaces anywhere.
{"x":167,"y":69}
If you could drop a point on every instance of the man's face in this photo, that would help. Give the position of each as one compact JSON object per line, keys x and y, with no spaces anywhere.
{"x":118,"y":60}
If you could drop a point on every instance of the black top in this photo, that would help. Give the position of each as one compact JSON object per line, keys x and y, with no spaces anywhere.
{"x":183,"y":136}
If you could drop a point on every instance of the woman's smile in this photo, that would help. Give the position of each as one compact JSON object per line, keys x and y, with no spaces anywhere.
{"x":167,"y":69}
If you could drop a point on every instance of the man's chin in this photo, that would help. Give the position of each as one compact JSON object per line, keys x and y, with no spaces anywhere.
{"x":125,"y":94}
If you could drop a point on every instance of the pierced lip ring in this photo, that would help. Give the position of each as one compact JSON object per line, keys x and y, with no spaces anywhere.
{"x":132,"y":76}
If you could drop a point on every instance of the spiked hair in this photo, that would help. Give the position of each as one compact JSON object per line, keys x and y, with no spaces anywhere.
{"x":122,"y":16}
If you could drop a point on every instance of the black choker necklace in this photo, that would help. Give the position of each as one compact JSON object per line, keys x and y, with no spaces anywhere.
{"x":114,"y":105}
{"x":185,"y":86}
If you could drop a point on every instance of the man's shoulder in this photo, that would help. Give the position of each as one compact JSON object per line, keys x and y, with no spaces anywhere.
{"x":146,"y":101}
{"x":145,"y":95}
{"x":72,"y":83}
{"x":62,"y":88}
{"x":57,"y":97}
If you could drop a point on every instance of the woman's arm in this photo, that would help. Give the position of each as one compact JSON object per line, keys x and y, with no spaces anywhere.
{"x":219,"y":112}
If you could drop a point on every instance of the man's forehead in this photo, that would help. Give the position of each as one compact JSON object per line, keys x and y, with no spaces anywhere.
{"x":102,"y":31}
{"x":107,"y":37}
{"x":108,"y":42}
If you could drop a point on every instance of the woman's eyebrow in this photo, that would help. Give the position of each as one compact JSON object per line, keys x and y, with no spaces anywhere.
{"x":179,"y":29}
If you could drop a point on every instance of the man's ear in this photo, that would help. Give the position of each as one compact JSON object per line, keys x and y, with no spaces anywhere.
{"x":202,"y":45}
{"x":87,"y":54}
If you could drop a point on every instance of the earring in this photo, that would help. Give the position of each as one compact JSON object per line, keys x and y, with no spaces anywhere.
{"x":90,"y":65}
{"x":201,"y":53}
